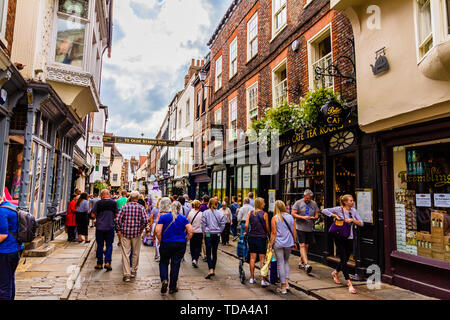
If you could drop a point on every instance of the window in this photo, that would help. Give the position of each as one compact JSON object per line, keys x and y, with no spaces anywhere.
{"x":186,"y":163}
{"x":233,"y":119}
{"x":279,"y":15}
{"x":252,"y":104}
{"x":233,"y":58}
{"x":198,"y":103}
{"x":71,"y":32}
{"x":425,"y":30}
{"x":320,"y":56}
{"x":252,"y":37}
{"x":422,"y":198}
{"x":280,"y":85}
{"x":115,"y":177}
{"x":218,"y":116}
{"x":188,"y":113}
{"x":219,"y":73}
{"x":3,"y":18}
{"x":180,"y":113}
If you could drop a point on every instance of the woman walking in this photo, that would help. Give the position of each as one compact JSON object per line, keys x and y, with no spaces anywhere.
{"x":213,"y":223}
{"x":226,"y":232}
{"x":173,"y":231}
{"x":195,"y":218}
{"x":347,"y":213}
{"x":282,"y":238}
{"x":82,"y":217}
{"x":258,"y":221}
{"x":154,"y":218}
{"x":71,"y":221}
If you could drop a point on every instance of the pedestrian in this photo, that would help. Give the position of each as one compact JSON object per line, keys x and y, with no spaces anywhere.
{"x":184,"y":210}
{"x":250,"y":196}
{"x":283,"y":237}
{"x":234,"y":207}
{"x":195,"y":219}
{"x":225,"y":211}
{"x":305,"y":212}
{"x":141,"y":201}
{"x":122,"y":200}
{"x":10,"y":249}
{"x":187,"y":202}
{"x":77,"y":192}
{"x":204,"y":205}
{"x":71,"y":222}
{"x":154,"y":217}
{"x":173,"y":231}
{"x":258,"y":223}
{"x":82,"y":217}
{"x":243,"y":213}
{"x":213,"y":223}
{"x":131,"y":222}
{"x":92,"y":201}
{"x":105,"y":212}
{"x":344,"y":246}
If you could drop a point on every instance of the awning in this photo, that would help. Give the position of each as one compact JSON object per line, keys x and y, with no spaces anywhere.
{"x":204,"y":178}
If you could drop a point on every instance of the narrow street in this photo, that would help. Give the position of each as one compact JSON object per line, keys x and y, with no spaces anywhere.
{"x":101,"y":285}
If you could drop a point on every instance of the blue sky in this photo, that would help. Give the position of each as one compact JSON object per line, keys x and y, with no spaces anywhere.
{"x":153,"y":44}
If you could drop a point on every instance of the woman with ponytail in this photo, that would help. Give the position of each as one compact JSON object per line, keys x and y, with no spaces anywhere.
{"x":347,"y":213}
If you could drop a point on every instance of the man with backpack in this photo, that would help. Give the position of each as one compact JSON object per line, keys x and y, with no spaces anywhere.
{"x":10,"y":249}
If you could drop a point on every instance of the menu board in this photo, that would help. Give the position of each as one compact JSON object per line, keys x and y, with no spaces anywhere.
{"x":364,"y":205}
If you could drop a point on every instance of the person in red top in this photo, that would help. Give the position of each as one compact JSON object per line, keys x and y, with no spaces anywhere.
{"x":71,"y":223}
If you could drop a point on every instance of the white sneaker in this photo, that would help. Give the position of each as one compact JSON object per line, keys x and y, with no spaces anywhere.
{"x":264,"y":283}
{"x":252,"y":281}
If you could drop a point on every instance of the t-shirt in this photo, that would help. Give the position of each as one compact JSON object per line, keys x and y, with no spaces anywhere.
{"x":176,"y":232}
{"x":304,"y":209}
{"x":121,"y":201}
{"x":234,"y":207}
{"x":8,"y":225}
{"x":92,"y":203}
{"x":105,"y":210}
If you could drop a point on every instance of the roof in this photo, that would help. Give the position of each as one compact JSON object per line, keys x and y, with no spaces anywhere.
{"x":224,"y":20}
{"x":142,"y":160}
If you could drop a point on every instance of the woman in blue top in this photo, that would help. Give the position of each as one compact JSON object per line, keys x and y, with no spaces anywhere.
{"x":348,"y":213}
{"x":82,"y":217}
{"x":171,"y":233}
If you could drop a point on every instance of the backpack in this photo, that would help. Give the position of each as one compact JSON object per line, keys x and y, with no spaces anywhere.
{"x":26,"y":225}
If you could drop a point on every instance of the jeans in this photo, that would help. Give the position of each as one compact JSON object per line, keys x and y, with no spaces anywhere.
{"x":103,"y":237}
{"x":345,"y":249}
{"x":226,"y":234}
{"x":173,"y":253}
{"x":234,"y":228}
{"x":196,"y":246}
{"x":212,"y":243}
{"x":8,"y":266}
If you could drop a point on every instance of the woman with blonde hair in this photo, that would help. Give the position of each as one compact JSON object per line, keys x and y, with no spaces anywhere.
{"x":345,"y":214}
{"x":213,"y":223}
{"x":282,"y":238}
{"x":258,"y":221}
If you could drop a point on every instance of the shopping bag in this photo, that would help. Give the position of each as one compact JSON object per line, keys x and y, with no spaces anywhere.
{"x":273,"y":271}
{"x":265,"y":268}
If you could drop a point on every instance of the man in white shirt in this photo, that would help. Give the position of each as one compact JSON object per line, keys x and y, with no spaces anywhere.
{"x":243,"y":213}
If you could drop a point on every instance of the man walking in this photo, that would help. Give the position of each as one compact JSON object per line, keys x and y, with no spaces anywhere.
{"x":9,"y":250}
{"x":92,"y":201}
{"x":234,"y":207}
{"x":243,"y":213}
{"x":305,"y":211}
{"x":131,"y":222}
{"x":250,"y":197}
{"x":122,"y":200}
{"x":105,"y":211}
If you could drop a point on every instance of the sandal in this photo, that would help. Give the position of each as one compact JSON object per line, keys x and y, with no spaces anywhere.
{"x":352,"y":290}
{"x":334,"y":274}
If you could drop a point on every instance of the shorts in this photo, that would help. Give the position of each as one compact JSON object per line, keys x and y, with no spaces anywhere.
{"x":257,"y":245}
{"x":305,"y":237}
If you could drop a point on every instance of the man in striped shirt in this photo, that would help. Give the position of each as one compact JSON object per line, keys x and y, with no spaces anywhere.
{"x":131,"y":222}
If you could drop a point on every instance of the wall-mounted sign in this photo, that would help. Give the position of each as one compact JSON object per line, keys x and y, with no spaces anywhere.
{"x":272,"y":199}
{"x":423,"y":200}
{"x":95,"y":140}
{"x":104,"y":162}
{"x":97,"y":150}
{"x":364,"y":200}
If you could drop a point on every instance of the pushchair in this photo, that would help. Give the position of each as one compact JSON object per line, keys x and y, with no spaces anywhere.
{"x":242,"y":253}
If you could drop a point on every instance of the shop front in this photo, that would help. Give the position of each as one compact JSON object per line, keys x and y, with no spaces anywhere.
{"x":416,"y":202}
{"x":332,"y":161}
{"x":199,"y":181}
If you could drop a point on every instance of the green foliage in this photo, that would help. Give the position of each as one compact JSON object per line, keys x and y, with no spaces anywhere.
{"x":99,"y":185}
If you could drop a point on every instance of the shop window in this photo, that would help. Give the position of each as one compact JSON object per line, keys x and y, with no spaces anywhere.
{"x":14,"y":166}
{"x":280,"y":84}
{"x":422,"y":198}
{"x":72,"y":19}
{"x":320,"y":56}
{"x":344,"y":176}
{"x":252,"y":37}
{"x":252,"y":104}
{"x":19,"y":119}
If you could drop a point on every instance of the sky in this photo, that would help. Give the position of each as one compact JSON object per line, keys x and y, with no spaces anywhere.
{"x":154,"y":42}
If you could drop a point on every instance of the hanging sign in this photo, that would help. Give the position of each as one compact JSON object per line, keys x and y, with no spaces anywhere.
{"x":95,"y":140}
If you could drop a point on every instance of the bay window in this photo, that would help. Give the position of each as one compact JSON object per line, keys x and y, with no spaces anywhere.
{"x":252,"y":37}
{"x":233,"y":58}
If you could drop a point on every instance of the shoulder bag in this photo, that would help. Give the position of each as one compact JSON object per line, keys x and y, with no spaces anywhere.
{"x":341,"y":229}
{"x":290,"y":230}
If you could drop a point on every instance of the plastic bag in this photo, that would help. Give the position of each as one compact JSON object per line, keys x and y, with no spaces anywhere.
{"x":266,"y":267}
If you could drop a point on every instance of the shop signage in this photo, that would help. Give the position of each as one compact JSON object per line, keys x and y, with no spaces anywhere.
{"x":272,"y":199}
{"x":423,"y":200}
{"x":435,"y":175}
{"x":291,"y":138}
{"x":148,"y":142}
{"x":95,"y":140}
{"x":104,"y":162}
{"x":364,"y":205}
{"x":217,"y":132}
{"x":442,"y":200}
{"x":97,"y":150}
{"x":333,"y":114}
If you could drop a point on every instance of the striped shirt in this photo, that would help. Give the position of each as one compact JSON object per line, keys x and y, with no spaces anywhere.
{"x":132,"y":220}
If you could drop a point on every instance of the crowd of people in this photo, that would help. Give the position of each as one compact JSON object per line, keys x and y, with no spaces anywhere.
{"x":171,"y":223}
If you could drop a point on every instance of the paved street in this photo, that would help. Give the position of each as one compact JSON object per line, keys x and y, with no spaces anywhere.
{"x":95,"y":285}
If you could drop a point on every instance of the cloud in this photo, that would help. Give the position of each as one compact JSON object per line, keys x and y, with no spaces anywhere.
{"x":153,"y":44}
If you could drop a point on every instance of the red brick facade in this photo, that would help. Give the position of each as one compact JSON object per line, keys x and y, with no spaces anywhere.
{"x":302,"y":24}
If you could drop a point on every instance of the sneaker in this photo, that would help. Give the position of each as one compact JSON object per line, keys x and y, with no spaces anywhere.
{"x":301,"y":265}
{"x":108,"y":267}
{"x":308,"y":268}
{"x":264,"y":283}
{"x":126,"y":279}
{"x":194,"y":264}
{"x":172,"y":291}
{"x":164,"y":287}
{"x":252,"y":281}
{"x":133,"y":274}
{"x":98,"y":267}
{"x":279,"y":290}
{"x":205,"y":259}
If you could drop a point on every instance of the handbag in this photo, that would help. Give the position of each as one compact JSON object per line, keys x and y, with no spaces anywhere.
{"x":341,"y":229}
{"x":266,"y":267}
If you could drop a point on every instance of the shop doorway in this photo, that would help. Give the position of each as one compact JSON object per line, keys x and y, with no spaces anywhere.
{"x":14,"y":167}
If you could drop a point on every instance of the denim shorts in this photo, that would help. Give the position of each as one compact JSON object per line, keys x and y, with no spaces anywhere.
{"x":257,"y":245}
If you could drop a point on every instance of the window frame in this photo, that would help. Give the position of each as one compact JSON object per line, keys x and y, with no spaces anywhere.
{"x":233,"y":59}
{"x":255,"y":39}
{"x":3,"y":25}
{"x":231,"y":119}
{"x":311,"y":45}
{"x":188,"y":112}
{"x":219,"y":75}
{"x":252,"y":87}
{"x":275,"y":13}
{"x":274,"y":71}
{"x":216,"y":112}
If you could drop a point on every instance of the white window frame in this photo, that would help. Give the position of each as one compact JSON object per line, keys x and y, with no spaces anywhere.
{"x":277,"y":31}
{"x":252,"y":87}
{"x":232,"y":118}
{"x":219,"y":72}
{"x":218,"y":120}
{"x":88,"y":33}
{"x":188,"y":112}
{"x":311,"y":53}
{"x":308,"y":2}
{"x":233,"y":57}
{"x":274,"y":71}
{"x":254,"y":39}
{"x":4,"y":14}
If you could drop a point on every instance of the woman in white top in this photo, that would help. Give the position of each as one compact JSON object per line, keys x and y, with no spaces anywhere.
{"x":229,"y":220}
{"x":195,"y":218}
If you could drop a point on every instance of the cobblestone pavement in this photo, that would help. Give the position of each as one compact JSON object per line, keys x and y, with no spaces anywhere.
{"x":101,"y":285}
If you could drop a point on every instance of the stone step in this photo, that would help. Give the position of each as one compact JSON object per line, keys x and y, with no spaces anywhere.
{"x":36,"y":243}
{"x":43,"y":251}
